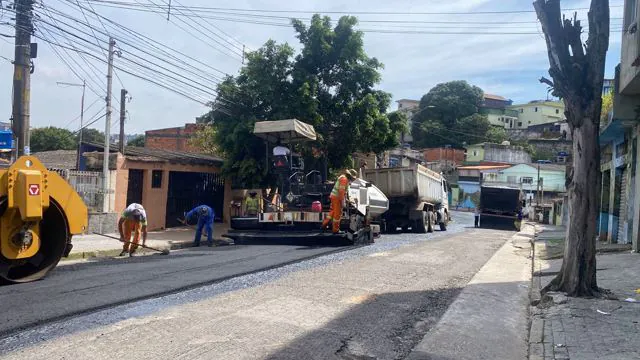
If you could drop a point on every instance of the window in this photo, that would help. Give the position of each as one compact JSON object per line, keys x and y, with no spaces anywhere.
{"x":557,"y":111}
{"x":511,"y":179}
{"x":520,"y":124}
{"x":527,"y":180}
{"x":521,"y":111}
{"x":475,"y":153}
{"x":156,"y":179}
{"x":536,"y":109}
{"x":400,"y":106}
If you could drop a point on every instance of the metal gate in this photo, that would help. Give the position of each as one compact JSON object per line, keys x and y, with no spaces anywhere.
{"x":189,"y":189}
{"x":134,"y":188}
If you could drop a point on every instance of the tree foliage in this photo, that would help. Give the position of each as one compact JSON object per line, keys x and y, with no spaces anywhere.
{"x":52,"y":138}
{"x":92,"y":135}
{"x":204,"y":140}
{"x":138,"y":141}
{"x":607,"y":106}
{"x":449,"y":115}
{"x":330,"y":84}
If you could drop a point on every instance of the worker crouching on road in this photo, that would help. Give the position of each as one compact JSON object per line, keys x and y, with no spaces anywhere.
{"x":251,"y":204}
{"x":133,"y":221}
{"x":338,"y":196}
{"x":205,"y":216}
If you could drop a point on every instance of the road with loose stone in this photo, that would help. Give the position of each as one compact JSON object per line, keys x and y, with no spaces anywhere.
{"x":250,"y":301}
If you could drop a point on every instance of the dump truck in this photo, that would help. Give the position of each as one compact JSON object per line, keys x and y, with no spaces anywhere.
{"x":418,"y":198}
{"x":499,"y":206}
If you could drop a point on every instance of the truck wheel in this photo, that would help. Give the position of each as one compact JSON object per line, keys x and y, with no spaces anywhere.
{"x":421,"y":225}
{"x":405,"y":228}
{"x":443,"y":226}
{"x":430,"y":221}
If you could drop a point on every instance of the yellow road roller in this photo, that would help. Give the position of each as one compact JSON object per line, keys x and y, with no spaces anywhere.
{"x":39,"y":213}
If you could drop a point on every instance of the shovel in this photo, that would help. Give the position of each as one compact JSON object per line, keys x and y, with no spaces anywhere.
{"x":163,"y":251}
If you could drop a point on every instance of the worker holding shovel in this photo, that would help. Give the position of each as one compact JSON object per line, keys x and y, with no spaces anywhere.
{"x":133,"y":221}
{"x":205,"y":216}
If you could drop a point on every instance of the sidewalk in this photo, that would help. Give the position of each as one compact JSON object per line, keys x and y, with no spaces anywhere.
{"x":584,"y":329}
{"x":488,"y":320}
{"x":94,"y":245}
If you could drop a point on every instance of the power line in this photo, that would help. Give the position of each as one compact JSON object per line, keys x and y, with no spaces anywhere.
{"x":148,"y":43}
{"x":208,"y":8}
{"x":78,"y":117}
{"x":382,"y":31}
{"x":91,"y":43}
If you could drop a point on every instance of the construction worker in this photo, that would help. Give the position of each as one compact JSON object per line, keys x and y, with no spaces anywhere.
{"x":133,"y":221}
{"x":205,"y":216}
{"x":251,"y":204}
{"x":338,"y":196}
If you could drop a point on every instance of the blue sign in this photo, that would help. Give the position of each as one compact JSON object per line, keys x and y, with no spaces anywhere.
{"x":563,"y":153}
{"x":6,"y":140}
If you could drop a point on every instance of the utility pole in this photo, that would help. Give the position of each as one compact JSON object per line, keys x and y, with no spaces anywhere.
{"x":84,"y":85}
{"x":538,"y":188}
{"x":123,"y":96}
{"x":22,"y":76}
{"x":107,"y":128}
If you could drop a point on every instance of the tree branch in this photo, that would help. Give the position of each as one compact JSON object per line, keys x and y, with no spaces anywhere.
{"x":544,"y":80}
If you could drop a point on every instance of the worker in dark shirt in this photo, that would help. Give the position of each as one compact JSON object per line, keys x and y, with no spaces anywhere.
{"x":205,"y":216}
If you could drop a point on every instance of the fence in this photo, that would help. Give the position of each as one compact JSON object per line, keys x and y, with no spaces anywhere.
{"x":88,"y":184}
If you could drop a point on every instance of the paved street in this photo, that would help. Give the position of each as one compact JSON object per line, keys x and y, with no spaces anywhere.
{"x":371,"y":302}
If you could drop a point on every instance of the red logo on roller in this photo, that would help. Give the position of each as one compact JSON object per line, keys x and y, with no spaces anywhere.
{"x":34,"y":189}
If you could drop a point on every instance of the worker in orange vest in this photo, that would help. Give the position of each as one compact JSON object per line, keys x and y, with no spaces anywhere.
{"x":338,"y":195}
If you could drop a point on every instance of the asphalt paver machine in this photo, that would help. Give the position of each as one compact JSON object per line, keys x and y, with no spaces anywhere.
{"x":295,"y":213}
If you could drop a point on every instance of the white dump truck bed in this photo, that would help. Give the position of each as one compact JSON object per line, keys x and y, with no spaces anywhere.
{"x":417,"y":181}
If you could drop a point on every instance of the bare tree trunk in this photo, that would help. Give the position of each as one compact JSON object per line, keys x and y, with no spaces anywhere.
{"x":577,"y":70}
{"x":578,"y":273}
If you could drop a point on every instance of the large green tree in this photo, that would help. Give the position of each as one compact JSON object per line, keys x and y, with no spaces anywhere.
{"x":449,"y":114}
{"x":52,"y":138}
{"x":330,"y":84}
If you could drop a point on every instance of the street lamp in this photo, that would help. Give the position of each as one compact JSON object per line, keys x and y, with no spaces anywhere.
{"x":83,"y":85}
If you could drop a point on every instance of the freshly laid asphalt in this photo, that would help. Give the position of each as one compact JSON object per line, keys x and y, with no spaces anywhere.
{"x":82,"y":287}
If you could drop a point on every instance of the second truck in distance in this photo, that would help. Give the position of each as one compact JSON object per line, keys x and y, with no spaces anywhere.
{"x":418,"y":198}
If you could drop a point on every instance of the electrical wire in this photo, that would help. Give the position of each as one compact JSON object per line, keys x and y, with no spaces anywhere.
{"x":79,"y":116}
{"x":208,"y":8}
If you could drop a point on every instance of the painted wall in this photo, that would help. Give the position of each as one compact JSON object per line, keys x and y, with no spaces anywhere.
{"x":539,"y":113}
{"x":553,"y":180}
{"x":155,"y":200}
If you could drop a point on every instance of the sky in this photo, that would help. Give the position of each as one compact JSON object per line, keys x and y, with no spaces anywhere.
{"x":416,"y":55}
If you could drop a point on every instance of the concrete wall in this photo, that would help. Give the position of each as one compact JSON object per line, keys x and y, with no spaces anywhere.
{"x":103,"y":223}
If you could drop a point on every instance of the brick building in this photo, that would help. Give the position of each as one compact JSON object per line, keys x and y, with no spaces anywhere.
{"x":444,"y":154}
{"x":174,"y":139}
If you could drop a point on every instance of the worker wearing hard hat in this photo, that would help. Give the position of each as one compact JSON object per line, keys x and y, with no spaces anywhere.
{"x":338,"y":196}
{"x":251,"y":204}
{"x":205,"y":216}
{"x":133,"y":221}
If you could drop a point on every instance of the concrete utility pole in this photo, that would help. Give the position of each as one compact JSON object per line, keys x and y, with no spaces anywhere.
{"x":107,"y":128}
{"x":83,"y":85}
{"x":538,"y":188}
{"x":123,"y":96}
{"x":22,"y":76}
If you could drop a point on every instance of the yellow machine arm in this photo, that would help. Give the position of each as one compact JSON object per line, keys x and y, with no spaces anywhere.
{"x":39,"y":212}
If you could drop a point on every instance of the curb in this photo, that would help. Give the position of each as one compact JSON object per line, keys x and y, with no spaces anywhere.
{"x":98,"y":254}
